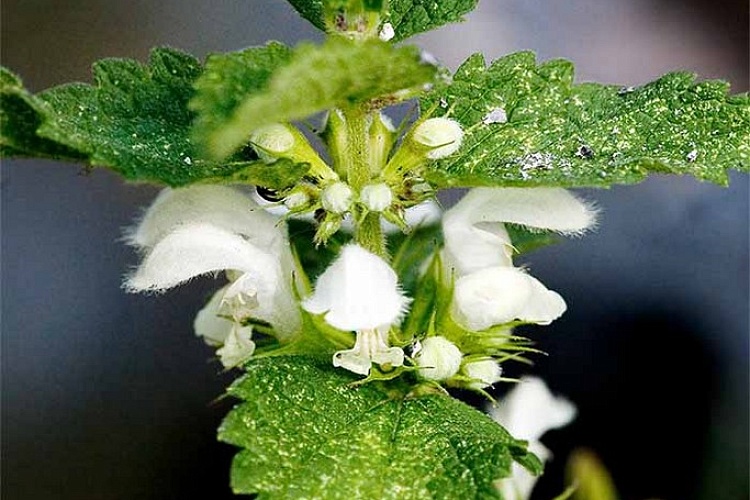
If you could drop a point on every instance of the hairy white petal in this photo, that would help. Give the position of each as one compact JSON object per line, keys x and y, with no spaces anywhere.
{"x":358,"y":291}
{"x":199,"y":249}
{"x":439,"y":359}
{"x":500,"y":295}
{"x":527,"y":412}
{"x":221,"y":206}
{"x":238,"y":346}
{"x":475,"y":237}
{"x":209,"y":325}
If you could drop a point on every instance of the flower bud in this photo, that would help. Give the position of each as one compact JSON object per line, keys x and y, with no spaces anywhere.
{"x":272,"y":141}
{"x":485,"y":372}
{"x":439,"y":359}
{"x":337,"y":197}
{"x":297,"y":199}
{"x":442,"y":135}
{"x":376,"y":197}
{"x":382,"y":135}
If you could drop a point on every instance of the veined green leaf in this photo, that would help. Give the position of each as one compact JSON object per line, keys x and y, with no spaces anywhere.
{"x":228,"y":79}
{"x":134,"y":120}
{"x":529,"y":125}
{"x":306,"y":433}
{"x":20,"y":115}
{"x":312,"y":10}
{"x":338,"y":73}
{"x":410,"y":17}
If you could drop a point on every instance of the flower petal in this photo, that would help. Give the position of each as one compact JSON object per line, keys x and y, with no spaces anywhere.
{"x":199,"y":249}
{"x":238,"y":346}
{"x":527,"y":412}
{"x":221,"y":206}
{"x":500,"y":295}
{"x":209,"y":325}
{"x":475,"y":237}
{"x":358,"y":291}
{"x":530,"y":410}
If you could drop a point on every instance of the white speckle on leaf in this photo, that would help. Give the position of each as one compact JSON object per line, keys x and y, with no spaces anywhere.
{"x":585,"y":151}
{"x":443,"y":102}
{"x":692,"y":156}
{"x":188,"y":160}
{"x":496,"y":115}
{"x":625,"y":90}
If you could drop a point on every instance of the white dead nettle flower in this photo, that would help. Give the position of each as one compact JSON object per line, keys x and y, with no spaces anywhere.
{"x":442,"y":135}
{"x":205,"y":229}
{"x":438,"y":359}
{"x":528,"y":412}
{"x":238,"y":346}
{"x":478,"y":252}
{"x":337,"y":197}
{"x":376,"y":197}
{"x":359,"y":292}
{"x":484,"y":372}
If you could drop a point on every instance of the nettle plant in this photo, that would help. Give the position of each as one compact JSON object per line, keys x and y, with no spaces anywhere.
{"x":353,"y":304}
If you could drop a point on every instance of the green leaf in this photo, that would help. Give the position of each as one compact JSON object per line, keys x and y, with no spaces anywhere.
{"x":410,"y":251}
{"x":312,"y":10}
{"x":134,"y":120}
{"x":525,"y":240}
{"x":410,"y":17}
{"x":20,"y":115}
{"x":338,"y":73}
{"x":549,"y":132}
{"x":306,"y":433}
{"x":229,"y":78}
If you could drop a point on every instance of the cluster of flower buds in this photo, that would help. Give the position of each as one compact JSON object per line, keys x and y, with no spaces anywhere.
{"x":393,"y":185}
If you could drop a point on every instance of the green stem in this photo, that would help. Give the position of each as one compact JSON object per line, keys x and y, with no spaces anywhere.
{"x":368,"y":232}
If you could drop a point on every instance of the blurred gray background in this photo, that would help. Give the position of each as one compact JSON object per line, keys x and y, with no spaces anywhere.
{"x":109,"y":396}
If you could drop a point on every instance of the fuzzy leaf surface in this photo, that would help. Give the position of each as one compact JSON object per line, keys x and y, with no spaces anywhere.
{"x":547,"y":131}
{"x":134,"y":120}
{"x":410,"y":17}
{"x":338,"y":73}
{"x":306,"y":433}
{"x":21,"y":113}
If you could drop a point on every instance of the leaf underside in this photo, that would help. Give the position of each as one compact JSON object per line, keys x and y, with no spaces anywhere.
{"x":306,"y":433}
{"x":338,"y":73}
{"x":546,"y":131}
{"x":134,"y":120}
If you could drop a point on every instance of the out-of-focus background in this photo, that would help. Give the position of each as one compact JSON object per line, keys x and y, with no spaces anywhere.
{"x":110,"y":396}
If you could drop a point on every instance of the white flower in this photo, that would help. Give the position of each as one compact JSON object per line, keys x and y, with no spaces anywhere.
{"x":485,"y":372}
{"x":475,"y":236}
{"x":386,"y":32}
{"x":359,"y":292}
{"x":439,"y":359}
{"x":499,"y":295}
{"x":206,"y":229}
{"x":527,"y":412}
{"x":478,"y":252}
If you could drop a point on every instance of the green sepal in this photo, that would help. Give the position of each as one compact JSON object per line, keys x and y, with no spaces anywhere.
{"x":21,"y":113}
{"x":554,"y":133}
{"x":305,"y":432}
{"x":339,"y":73}
{"x":410,"y":17}
{"x":280,"y":174}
